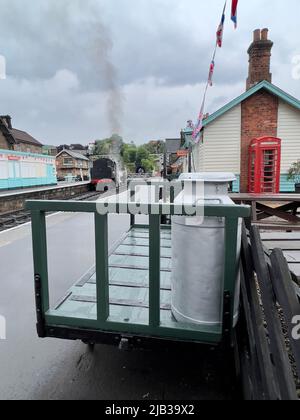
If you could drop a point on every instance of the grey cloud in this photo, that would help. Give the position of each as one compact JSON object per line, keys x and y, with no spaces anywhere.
{"x":80,"y":69}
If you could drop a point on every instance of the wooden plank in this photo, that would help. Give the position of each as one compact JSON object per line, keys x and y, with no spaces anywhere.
{"x":295,"y":269}
{"x":257,"y":385}
{"x":292,"y":257}
{"x":245,"y":197}
{"x":275,"y":226}
{"x":284,"y":245}
{"x":277,"y":344}
{"x":293,"y":207}
{"x":254,"y":211}
{"x":287,"y":298}
{"x":280,"y":236}
{"x":268,"y":211}
{"x":257,"y":335}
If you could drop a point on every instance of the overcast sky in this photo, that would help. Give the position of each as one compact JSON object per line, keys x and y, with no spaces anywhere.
{"x":78,"y":70}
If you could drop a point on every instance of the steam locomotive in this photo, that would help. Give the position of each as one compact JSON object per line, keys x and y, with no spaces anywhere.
{"x":103,"y":174}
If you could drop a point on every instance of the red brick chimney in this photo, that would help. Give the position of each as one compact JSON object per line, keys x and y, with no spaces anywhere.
{"x":259,"y":58}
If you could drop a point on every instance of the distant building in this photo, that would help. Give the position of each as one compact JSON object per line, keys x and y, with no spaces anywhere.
{"x":50,"y":150}
{"x":70,"y":164}
{"x":175,"y":162}
{"x":18,"y":140}
{"x":63,"y":147}
{"x":77,"y":148}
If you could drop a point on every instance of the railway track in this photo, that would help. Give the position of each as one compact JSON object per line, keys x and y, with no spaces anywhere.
{"x":17,"y":218}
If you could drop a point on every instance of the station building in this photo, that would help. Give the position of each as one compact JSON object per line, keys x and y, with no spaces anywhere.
{"x":22,"y":162}
{"x":70,"y":164}
{"x":17,"y":140}
{"x":263,"y":112}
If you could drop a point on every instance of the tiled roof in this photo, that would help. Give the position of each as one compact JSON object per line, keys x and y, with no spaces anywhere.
{"x":74,"y":155}
{"x":23,"y":137}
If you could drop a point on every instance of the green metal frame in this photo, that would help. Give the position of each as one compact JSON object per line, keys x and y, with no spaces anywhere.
{"x":156,"y":328}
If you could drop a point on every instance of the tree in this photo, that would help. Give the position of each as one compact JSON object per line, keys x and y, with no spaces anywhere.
{"x":142,"y":154}
{"x":102,"y":147}
{"x":129,"y":153}
{"x":294,"y":172}
{"x":108,"y":146}
{"x":155,"y":147}
{"x":148,"y":165}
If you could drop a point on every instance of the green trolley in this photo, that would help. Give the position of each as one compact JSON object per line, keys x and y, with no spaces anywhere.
{"x":125,"y":299}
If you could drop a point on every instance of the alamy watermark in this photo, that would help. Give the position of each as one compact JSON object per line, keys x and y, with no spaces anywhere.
{"x":296,"y":67}
{"x":2,"y":328}
{"x":156,"y":198}
{"x":296,"y":327}
{"x":2,"y":67}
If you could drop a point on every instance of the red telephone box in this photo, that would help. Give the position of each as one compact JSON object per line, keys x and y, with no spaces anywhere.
{"x":264,"y":165}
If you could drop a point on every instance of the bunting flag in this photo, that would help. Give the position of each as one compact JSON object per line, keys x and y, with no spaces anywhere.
{"x":234,"y":12}
{"x":220,"y":31}
{"x":198,"y":127}
{"x":211,"y":73}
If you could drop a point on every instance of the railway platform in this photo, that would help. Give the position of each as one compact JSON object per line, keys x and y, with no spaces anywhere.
{"x":11,"y":201}
{"x":54,"y":369}
{"x":9,"y":193}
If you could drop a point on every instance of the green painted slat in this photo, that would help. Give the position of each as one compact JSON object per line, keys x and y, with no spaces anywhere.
{"x":145,"y":242}
{"x":133,"y":278}
{"x":64,"y":320}
{"x":39,"y":243}
{"x":141,"y":251}
{"x":163,"y":228}
{"x":102,"y":270}
{"x":231,"y":262}
{"x":154,"y":271}
{"x":136,"y":262}
{"x":144,"y":235}
{"x":168,"y":330}
{"x":154,"y":209}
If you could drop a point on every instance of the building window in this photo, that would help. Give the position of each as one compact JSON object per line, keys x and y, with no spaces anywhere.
{"x":68,"y":162}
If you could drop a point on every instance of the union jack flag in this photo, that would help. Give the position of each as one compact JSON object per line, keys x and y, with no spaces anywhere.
{"x":234,"y":12}
{"x":220,"y":31}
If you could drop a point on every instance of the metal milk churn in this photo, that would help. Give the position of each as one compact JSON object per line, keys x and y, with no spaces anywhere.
{"x":198,"y":253}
